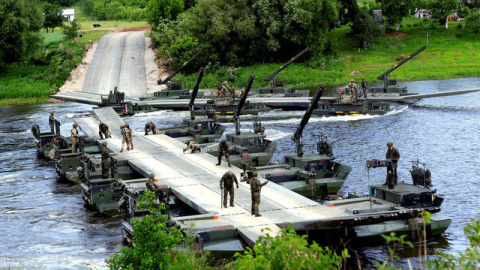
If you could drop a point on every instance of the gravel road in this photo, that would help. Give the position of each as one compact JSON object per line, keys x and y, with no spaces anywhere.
{"x":119,"y":60}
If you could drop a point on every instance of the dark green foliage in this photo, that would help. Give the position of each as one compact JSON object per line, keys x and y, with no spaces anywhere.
{"x":472,"y":22}
{"x":63,"y":3}
{"x":87,"y":6}
{"x":463,"y":12}
{"x":466,"y":260}
{"x":347,"y":10}
{"x":20,"y":21}
{"x":288,"y":250}
{"x":395,"y":10}
{"x":366,"y":29}
{"x":70,"y":31}
{"x":116,"y":10}
{"x":441,"y":9}
{"x":163,"y":9}
{"x":154,"y":243}
{"x":182,"y":50}
{"x":53,"y":16}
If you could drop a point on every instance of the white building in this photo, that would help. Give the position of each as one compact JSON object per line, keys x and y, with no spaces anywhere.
{"x":69,"y":14}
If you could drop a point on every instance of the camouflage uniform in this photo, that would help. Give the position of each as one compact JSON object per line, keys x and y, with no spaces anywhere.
{"x":151,"y":183}
{"x":74,"y":136}
{"x":394,"y":155}
{"x":227,"y":179}
{"x":105,"y":161}
{"x":223,"y":151}
{"x":256,"y":187}
{"x":353,"y":91}
{"x":51,"y":122}
{"x":364,"y":87}
{"x":103,"y":131}
{"x":225,"y":89}
{"x":191,"y":144}
{"x":150,"y":126}
{"x":126,"y":131}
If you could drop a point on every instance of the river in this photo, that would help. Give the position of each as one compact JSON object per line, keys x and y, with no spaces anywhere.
{"x":44,"y":224}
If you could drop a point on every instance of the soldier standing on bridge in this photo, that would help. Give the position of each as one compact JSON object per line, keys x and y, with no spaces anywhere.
{"x":364,"y":87}
{"x":227,"y":179}
{"x":223,"y":151}
{"x":103,"y":131}
{"x":353,"y":91}
{"x":105,"y":161}
{"x":393,"y":155}
{"x":225,"y":89}
{"x":256,"y":188}
{"x":150,"y":126}
{"x":75,"y":137}
{"x":51,"y":122}
{"x":126,"y":131}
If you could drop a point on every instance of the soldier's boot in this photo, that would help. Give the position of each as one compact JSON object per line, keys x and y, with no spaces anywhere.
{"x":101,"y":135}
{"x":128,"y":148}
{"x":258,"y":215}
{"x":225,"y":205}
{"x":228,"y":160}
{"x":395,"y":180}
{"x":232,"y":205}
{"x":131,"y":148}
{"x":121,"y":150}
{"x":219,"y":161}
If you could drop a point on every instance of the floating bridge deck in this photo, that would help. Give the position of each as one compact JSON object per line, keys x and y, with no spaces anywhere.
{"x":194,"y":179}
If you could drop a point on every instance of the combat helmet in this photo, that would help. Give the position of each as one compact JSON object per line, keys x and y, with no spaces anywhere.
{"x":352,"y":80}
{"x":390,"y":144}
{"x":151,"y":176}
{"x":225,"y":83}
{"x":75,"y":125}
{"x":104,"y":143}
{"x":254,"y":174}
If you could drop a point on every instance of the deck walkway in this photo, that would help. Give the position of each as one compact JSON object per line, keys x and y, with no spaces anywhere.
{"x":194,"y":179}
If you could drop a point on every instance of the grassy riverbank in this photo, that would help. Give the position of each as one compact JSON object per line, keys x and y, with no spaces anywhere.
{"x":451,"y":53}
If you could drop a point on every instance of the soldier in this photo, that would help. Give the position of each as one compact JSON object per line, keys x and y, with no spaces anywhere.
{"x":103,"y":131}
{"x":151,"y":183}
{"x":231,"y":78}
{"x":256,"y":187}
{"x":227,"y":179}
{"x":225,"y":89}
{"x":323,"y":67}
{"x":364,"y":87}
{"x":353,"y":90}
{"x":51,"y":122}
{"x":393,"y":156}
{"x":192,"y":144}
{"x":150,"y":126}
{"x":223,"y":151}
{"x":74,"y":136}
{"x":105,"y":161}
{"x":126,"y":131}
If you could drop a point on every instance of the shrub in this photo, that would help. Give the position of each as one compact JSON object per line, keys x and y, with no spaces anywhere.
{"x":472,"y":23}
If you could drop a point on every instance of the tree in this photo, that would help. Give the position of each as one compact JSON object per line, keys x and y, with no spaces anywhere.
{"x":396,"y":10}
{"x":472,"y":23}
{"x":347,"y":10}
{"x":288,"y":250}
{"x":426,"y":26}
{"x":70,"y":32}
{"x":295,"y":24}
{"x":366,"y":29}
{"x":53,"y":16}
{"x":20,"y":23}
{"x":163,"y":9}
{"x":441,"y":9}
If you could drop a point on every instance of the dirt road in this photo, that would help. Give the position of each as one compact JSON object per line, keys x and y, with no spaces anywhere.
{"x":123,"y":59}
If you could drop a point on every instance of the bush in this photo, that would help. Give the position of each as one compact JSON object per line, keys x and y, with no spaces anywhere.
{"x":472,"y":23}
{"x":288,"y":250}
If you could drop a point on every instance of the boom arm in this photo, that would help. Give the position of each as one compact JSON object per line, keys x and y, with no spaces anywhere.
{"x":269,"y":78}
{"x":194,"y":94}
{"x":297,"y":137}
{"x":236,"y":116}
{"x":178,"y":69}
{"x":408,"y":58}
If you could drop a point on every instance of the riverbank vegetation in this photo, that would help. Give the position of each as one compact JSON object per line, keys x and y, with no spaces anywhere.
{"x":249,"y":37}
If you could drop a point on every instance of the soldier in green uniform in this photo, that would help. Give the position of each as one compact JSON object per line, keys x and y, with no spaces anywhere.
{"x":353,"y":90}
{"x":74,"y":136}
{"x":225,"y":89}
{"x":51,"y":122}
{"x":191,"y":144}
{"x":103,"y":131}
{"x":150,"y":126}
{"x":227,"y":179}
{"x":223,"y":151}
{"x":393,"y":155}
{"x":256,"y":187}
{"x":105,"y":160}
{"x":151,"y":183}
{"x":364,"y":87}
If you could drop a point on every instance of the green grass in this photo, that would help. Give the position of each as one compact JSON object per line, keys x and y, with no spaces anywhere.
{"x":451,"y":53}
